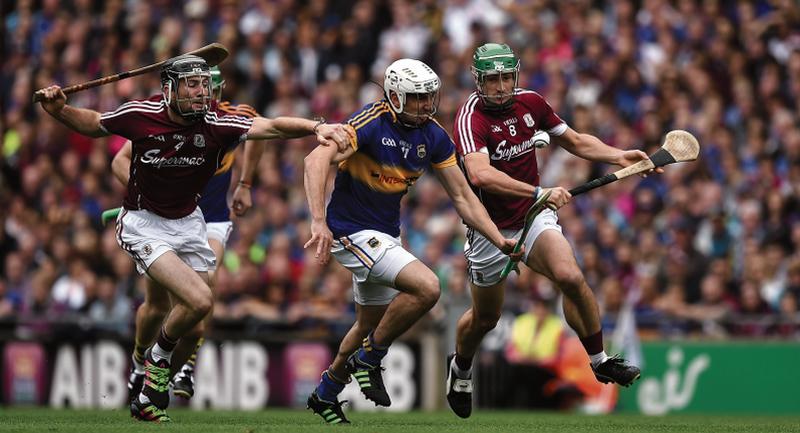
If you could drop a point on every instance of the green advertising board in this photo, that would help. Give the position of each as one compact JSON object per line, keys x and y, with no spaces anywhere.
{"x":718,"y":377}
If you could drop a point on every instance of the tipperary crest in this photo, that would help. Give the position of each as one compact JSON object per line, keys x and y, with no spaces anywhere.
{"x":147,"y":250}
{"x":528,"y":120}
{"x":421,"y":152}
{"x":199,"y":140}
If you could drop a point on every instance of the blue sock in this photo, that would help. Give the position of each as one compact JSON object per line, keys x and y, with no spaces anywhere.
{"x":328,"y":389}
{"x":370,"y":353}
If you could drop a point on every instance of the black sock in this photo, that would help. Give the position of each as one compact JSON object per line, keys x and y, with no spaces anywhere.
{"x":463,"y":363}
{"x":165,"y":341}
{"x":593,"y":343}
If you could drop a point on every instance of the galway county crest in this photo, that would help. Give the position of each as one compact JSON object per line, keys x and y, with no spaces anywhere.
{"x":528,"y":120}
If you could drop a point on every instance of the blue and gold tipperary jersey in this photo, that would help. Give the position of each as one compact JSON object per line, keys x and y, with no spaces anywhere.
{"x":214,"y":199}
{"x":389,"y":158}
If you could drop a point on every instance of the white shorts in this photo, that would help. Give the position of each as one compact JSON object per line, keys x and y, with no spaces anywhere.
{"x":485,"y":262}
{"x":219,"y":231}
{"x":145,"y":236}
{"x":375,"y":259}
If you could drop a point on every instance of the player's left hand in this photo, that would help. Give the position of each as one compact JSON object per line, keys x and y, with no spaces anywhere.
{"x":507,"y":247}
{"x":322,"y":236}
{"x":630,"y":157}
{"x":242,"y":200}
{"x":335,"y":134}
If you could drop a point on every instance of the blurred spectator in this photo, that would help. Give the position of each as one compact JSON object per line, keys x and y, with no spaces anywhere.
{"x":535,"y":352}
{"x":110,"y":311}
{"x":74,"y":290}
{"x":16,"y":283}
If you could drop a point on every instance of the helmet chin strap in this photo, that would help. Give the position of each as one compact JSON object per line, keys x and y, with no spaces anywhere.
{"x":205,"y":100}
{"x":414,"y":120}
{"x":191,"y":114}
{"x":493,"y":106}
{"x":489,"y":101}
{"x":420,"y":119}
{"x":175,"y":106}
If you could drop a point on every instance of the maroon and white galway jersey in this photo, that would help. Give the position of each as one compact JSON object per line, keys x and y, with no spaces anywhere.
{"x":507,"y":137}
{"x":171,"y":163}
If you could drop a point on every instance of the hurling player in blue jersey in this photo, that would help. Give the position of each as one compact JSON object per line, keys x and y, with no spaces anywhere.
{"x":396,"y":141}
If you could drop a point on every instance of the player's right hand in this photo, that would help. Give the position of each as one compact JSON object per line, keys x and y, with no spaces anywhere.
{"x":508,"y":249}
{"x":53,"y":99}
{"x":559,"y":196}
{"x":322,"y":236}
{"x":242,"y":200}
{"x":335,"y":134}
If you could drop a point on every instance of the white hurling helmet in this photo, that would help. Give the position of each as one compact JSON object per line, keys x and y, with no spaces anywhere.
{"x":410,"y":76}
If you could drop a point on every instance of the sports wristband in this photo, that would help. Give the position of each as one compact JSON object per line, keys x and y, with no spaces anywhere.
{"x":536,"y":192}
{"x":320,"y":121}
{"x":245,"y":184}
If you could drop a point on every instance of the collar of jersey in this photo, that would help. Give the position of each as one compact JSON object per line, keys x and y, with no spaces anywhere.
{"x":391,"y":111}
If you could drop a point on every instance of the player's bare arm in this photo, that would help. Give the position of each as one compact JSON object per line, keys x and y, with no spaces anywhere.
{"x":470,"y":208}
{"x":484,"y":176}
{"x":589,"y":147}
{"x":84,"y":121}
{"x":294,"y":127}
{"x":121,"y":164}
{"x":242,"y":199}
{"x":316,"y":169}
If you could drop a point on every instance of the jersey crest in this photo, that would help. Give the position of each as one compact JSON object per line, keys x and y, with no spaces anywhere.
{"x":421,"y":152}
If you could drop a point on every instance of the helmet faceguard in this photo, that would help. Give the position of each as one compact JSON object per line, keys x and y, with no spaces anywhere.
{"x":490,"y":62}
{"x":180,"y":70}
{"x":416,"y":87}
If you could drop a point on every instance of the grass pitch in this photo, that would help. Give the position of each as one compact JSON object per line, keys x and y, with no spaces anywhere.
{"x":289,"y":421}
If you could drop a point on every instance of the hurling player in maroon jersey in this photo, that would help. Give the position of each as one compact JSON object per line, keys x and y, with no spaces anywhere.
{"x":496,"y":133}
{"x":178,"y":144}
{"x":214,"y":204}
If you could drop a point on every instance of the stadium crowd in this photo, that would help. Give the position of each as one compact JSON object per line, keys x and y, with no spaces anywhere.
{"x":710,"y":247}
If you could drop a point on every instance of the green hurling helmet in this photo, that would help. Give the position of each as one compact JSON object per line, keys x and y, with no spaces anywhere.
{"x":494,"y":59}
{"x":217,"y":83}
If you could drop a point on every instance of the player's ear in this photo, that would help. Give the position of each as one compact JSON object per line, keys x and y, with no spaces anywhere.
{"x":165,"y":92}
{"x":394,"y":98}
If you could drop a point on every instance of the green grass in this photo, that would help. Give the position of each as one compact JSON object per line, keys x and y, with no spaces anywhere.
{"x":283,"y":420}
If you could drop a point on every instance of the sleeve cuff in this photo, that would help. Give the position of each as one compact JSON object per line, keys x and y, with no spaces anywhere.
{"x":446,"y":163}
{"x":558,"y":130}
{"x":353,"y":137}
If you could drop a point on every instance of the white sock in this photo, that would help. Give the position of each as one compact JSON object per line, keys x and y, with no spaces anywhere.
{"x":138,"y":367}
{"x":158,"y":353}
{"x":598,"y":358}
{"x":461,"y":374}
